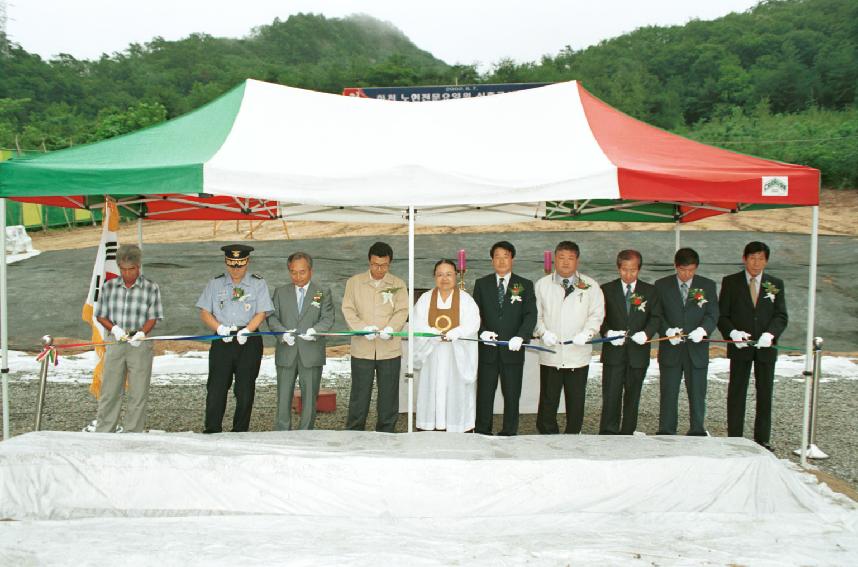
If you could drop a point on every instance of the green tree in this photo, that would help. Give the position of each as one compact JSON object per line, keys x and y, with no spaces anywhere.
{"x":116,"y":123}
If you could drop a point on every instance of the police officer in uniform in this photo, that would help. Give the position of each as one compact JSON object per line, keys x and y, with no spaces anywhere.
{"x":234,"y":304}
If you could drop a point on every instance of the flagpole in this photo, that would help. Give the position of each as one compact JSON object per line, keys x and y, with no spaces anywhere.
{"x":105,"y":261}
{"x":4,"y":320}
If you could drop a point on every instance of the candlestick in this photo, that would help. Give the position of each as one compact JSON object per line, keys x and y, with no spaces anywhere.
{"x":549,"y":263}
{"x":462,"y":261}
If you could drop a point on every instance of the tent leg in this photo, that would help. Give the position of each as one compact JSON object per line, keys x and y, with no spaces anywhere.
{"x":808,"y":353}
{"x":4,"y":320}
{"x":409,"y":376}
{"x":140,"y":237}
{"x":676,"y":232}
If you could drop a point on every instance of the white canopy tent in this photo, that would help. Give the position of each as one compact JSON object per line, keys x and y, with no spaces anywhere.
{"x":549,"y":152}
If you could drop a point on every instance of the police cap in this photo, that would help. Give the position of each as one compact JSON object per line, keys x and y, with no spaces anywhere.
{"x":237,"y":255}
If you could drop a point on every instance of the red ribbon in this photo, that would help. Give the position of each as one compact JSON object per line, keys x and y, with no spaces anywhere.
{"x":51,"y":353}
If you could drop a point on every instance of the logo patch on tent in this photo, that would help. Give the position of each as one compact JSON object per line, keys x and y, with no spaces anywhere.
{"x":775,"y":186}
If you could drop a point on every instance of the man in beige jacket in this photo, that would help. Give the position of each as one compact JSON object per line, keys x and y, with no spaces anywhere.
{"x":375,"y":301}
{"x":570,"y":309}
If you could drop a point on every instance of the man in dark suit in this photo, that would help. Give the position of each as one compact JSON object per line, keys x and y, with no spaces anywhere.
{"x":689,"y":306}
{"x":301,"y":308}
{"x":632,"y":310}
{"x":753,"y":308}
{"x":507,"y":313}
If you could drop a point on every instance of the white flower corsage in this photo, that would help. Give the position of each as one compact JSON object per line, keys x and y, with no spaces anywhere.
{"x":771,"y":290}
{"x":317,"y":299}
{"x":697,"y":296}
{"x":638,"y":302}
{"x":515,"y":292}
{"x":387,"y":294}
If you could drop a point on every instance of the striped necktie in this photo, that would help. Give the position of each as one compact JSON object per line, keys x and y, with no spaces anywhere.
{"x":754,"y":292}
{"x":628,"y":298}
{"x":300,"y":300}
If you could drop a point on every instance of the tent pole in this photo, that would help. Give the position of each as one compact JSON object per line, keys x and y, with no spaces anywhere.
{"x":140,"y":238}
{"x":676,"y":231}
{"x":4,"y":320}
{"x":808,"y":352}
{"x":409,"y":376}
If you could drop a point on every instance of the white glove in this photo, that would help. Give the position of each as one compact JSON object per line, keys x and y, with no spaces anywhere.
{"x":241,"y":337}
{"x":118,"y":333}
{"x":225,"y":331}
{"x":639,"y":337}
{"x":739,"y":338}
{"x":137,"y":339}
{"x":765,"y":340}
{"x":385,"y":333}
{"x":619,"y":341}
{"x":489,"y":336}
{"x":549,"y":339}
{"x":372,"y":336}
{"x":581,"y":338}
{"x":672,"y":332}
{"x":309,"y":334}
{"x":289,"y":339}
{"x":515,"y":344}
{"x":454,"y":334}
{"x":697,"y":334}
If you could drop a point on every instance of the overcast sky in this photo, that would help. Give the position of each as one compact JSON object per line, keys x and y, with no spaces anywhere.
{"x":456,"y":31}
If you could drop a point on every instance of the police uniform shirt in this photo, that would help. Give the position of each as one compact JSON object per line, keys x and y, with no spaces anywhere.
{"x":236,"y":304}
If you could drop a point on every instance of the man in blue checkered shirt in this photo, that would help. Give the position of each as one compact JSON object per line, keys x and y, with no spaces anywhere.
{"x":128,"y":308}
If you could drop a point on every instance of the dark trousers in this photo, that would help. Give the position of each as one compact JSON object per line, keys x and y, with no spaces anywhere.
{"x":695,"y":386}
{"x":621,"y":395}
{"x":386,"y":372}
{"x":310,"y":380}
{"x":225,"y":361}
{"x":737,"y":392}
{"x":573,"y":383}
{"x":487,"y":383}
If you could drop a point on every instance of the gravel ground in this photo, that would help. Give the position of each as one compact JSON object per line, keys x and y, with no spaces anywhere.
{"x":69,"y":407}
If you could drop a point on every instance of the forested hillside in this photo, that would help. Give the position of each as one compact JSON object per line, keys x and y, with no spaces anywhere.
{"x":779,"y":81}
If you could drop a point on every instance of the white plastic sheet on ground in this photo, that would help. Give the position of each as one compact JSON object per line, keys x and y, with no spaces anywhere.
{"x":426,"y":498}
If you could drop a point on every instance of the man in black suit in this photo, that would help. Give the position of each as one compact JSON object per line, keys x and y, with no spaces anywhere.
{"x":632,"y":310}
{"x":753,"y":308}
{"x":507,"y":313}
{"x":689,"y":306}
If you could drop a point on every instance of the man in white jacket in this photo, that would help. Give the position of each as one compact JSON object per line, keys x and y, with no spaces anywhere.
{"x":571,"y":308}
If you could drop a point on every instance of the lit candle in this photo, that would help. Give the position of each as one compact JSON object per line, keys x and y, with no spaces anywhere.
{"x":462,"y":264}
{"x":549,"y":264}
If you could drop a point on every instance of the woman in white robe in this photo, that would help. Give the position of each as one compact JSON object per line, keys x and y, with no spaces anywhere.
{"x":446,"y":395}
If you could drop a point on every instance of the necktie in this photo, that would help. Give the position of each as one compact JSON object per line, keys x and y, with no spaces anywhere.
{"x":501,"y":292}
{"x":683,"y":289}
{"x":628,"y":297}
{"x":753,"y":286}
{"x":300,"y":300}
{"x":566,"y":287}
